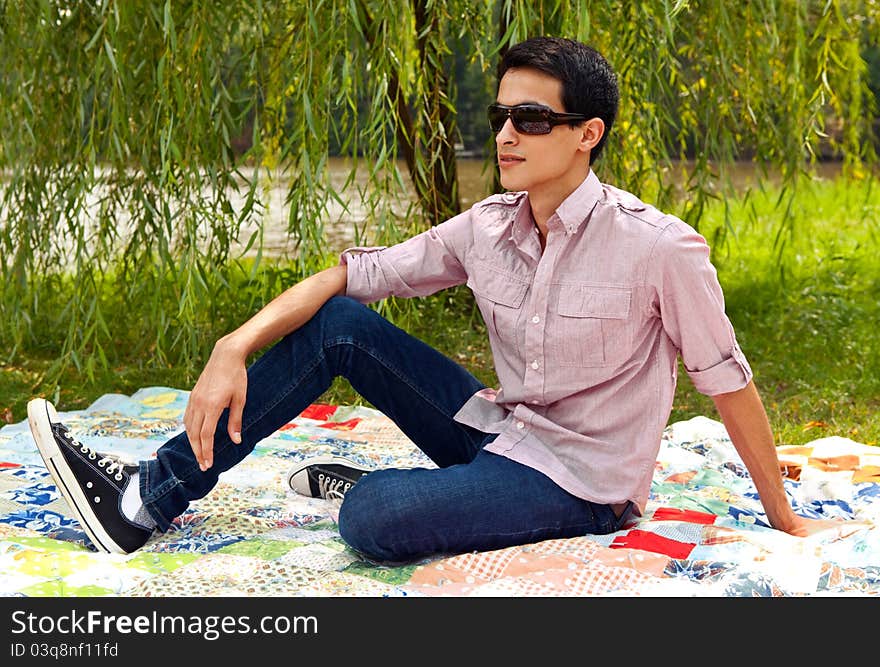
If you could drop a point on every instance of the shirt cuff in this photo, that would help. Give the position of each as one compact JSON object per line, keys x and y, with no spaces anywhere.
{"x":730,"y":374}
{"x":360,"y":279}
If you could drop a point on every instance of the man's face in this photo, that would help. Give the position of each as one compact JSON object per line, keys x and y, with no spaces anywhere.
{"x":536,"y":162}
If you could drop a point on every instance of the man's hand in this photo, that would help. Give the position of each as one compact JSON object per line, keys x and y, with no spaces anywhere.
{"x":803,"y":527}
{"x":746,"y":422}
{"x":222,"y":384}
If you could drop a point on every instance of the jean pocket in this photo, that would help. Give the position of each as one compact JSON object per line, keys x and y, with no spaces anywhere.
{"x":620,"y":521}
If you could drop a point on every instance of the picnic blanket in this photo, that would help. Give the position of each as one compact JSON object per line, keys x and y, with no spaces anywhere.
{"x":704,"y":532}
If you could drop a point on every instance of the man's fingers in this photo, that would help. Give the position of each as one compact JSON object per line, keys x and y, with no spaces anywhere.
{"x":200,"y":427}
{"x":193,"y":434}
{"x":206,"y":435}
{"x":236,"y":408}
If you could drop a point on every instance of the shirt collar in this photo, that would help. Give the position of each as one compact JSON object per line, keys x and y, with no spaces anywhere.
{"x":576,"y":208}
{"x":523,"y":228}
{"x":572,"y":212}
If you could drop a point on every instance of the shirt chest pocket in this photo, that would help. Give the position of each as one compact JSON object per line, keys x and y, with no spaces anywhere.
{"x":592,"y":326}
{"x":500,"y":296}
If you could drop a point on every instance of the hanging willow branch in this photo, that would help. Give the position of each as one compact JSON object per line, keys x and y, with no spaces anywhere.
{"x":141,"y":141}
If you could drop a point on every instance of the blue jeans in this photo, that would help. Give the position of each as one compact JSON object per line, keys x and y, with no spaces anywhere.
{"x":473,"y":501}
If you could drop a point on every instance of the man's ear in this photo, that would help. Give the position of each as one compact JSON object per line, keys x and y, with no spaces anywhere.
{"x":591,"y":133}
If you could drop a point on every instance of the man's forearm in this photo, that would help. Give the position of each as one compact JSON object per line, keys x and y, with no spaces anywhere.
{"x":287,"y":312}
{"x":746,"y":422}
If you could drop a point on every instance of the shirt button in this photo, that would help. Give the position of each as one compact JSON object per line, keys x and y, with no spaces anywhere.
{"x":520,"y":424}
{"x":535,"y":364}
{"x":536,"y":319}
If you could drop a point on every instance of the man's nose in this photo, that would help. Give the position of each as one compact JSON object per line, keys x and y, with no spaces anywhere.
{"x":507,"y":134}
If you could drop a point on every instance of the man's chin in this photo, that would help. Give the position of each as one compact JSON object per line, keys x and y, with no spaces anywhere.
{"x":513,"y":184}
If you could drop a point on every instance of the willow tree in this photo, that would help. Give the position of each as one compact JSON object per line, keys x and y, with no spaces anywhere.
{"x":140,"y":140}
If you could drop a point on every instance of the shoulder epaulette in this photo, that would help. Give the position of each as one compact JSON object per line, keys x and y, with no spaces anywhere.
{"x":504,"y":198}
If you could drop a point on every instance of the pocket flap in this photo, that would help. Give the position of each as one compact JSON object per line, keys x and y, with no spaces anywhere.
{"x":605,"y":302}
{"x":498,"y":285}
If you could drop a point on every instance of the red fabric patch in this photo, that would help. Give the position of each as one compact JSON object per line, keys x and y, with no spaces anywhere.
{"x":647,"y":541}
{"x":342,"y":426}
{"x":318,"y":411}
{"x":676,"y":514}
{"x":5,"y":464}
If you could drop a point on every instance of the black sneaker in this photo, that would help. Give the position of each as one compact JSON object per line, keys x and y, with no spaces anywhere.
{"x":91,"y":483}
{"x":325,"y":476}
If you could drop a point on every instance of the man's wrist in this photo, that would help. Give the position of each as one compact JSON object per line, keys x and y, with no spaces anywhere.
{"x":232,"y":345}
{"x":785,"y":520}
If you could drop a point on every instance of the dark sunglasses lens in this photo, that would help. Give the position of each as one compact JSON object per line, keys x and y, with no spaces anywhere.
{"x":497,"y":118}
{"x":529,"y":121}
{"x":526,"y":121}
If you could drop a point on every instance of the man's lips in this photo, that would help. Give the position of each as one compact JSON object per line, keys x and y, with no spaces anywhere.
{"x":509,"y":159}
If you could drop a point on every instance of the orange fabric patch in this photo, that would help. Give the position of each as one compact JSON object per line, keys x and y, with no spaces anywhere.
{"x":790,"y":471}
{"x":832,"y":463}
{"x":681,"y":477}
{"x":794,"y":450}
{"x":867,"y":474}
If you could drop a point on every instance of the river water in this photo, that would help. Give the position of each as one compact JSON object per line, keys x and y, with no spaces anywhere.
{"x":474,"y":182}
{"x":340,"y":223}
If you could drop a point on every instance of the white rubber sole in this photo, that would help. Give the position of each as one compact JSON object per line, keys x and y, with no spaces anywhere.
{"x":300,"y":469}
{"x":41,"y":414}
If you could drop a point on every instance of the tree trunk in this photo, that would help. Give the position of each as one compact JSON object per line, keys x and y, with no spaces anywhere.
{"x":438,"y":189}
{"x":428,"y":152}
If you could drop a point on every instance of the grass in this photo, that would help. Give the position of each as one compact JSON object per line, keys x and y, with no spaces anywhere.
{"x":805,"y":305}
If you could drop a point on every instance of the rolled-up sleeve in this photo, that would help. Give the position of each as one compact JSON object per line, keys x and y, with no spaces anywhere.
{"x":692,"y":310}
{"x":421,"y":265}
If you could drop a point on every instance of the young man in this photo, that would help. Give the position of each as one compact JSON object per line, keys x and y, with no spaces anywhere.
{"x":589,"y":296}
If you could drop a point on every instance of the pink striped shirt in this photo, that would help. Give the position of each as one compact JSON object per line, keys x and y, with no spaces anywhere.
{"x":585,"y":334}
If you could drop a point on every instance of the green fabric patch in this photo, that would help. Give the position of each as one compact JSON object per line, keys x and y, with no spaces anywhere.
{"x":666,"y":488}
{"x":265,"y":549}
{"x":699,"y":504}
{"x":321,"y":524}
{"x":38,"y":563}
{"x":49,"y":544}
{"x":723,"y":480}
{"x":58,"y":588}
{"x":387,"y":575}
{"x":161,"y":562}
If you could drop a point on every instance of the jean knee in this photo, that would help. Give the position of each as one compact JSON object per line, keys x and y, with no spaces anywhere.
{"x":342,"y":319}
{"x":361,"y":516}
{"x":343,"y":310}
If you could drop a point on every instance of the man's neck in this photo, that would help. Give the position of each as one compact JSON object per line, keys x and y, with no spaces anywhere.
{"x":545,"y":201}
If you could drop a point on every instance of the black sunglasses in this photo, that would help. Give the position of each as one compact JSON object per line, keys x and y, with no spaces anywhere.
{"x":529,"y":118}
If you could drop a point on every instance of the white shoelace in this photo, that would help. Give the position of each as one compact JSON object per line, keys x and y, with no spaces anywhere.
{"x":333,"y":488}
{"x":113,"y":463}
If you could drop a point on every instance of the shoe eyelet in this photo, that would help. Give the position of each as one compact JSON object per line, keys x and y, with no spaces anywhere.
{"x":101,"y":463}
{"x":97,"y":499}
{"x":118,"y":478}
{"x":89,"y":485}
{"x":92,"y":456}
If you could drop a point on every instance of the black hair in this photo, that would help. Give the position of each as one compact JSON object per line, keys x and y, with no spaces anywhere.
{"x":589,"y":84}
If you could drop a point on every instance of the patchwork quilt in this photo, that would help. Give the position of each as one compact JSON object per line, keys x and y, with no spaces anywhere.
{"x":704,"y":532}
